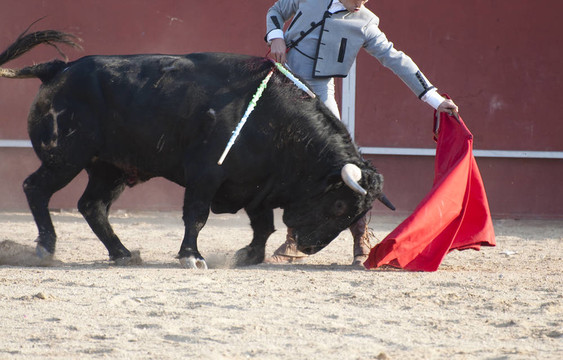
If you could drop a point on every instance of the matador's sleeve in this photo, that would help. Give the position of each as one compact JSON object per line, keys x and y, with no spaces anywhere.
{"x":279,"y":13}
{"x":397,"y":61}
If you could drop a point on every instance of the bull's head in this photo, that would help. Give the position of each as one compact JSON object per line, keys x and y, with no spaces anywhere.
{"x":346,"y":198}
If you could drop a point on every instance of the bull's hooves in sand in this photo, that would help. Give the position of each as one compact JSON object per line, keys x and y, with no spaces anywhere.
{"x":193,"y":263}
{"x":15,"y":254}
{"x":134,"y":259}
{"x":247,"y":257}
{"x":43,"y":253}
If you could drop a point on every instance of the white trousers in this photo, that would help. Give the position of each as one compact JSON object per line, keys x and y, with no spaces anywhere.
{"x":325,"y":90}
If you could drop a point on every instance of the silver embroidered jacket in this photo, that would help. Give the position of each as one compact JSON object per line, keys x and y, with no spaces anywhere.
{"x":331,"y":42}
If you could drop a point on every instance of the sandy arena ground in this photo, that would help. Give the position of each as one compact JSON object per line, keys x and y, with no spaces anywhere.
{"x":500,"y":303}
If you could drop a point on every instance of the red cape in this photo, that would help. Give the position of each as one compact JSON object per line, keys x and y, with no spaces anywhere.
{"x":453,"y":216}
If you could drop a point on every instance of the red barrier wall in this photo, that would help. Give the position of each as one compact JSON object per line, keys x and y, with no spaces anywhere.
{"x":498,"y":62}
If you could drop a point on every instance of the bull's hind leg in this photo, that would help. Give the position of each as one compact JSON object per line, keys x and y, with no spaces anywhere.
{"x":262,"y":223}
{"x":105,"y":184}
{"x":39,"y":187}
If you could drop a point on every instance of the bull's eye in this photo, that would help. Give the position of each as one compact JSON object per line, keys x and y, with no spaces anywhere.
{"x":339,"y":208}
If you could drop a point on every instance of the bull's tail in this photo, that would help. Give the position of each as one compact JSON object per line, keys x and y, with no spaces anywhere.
{"x":26,"y":42}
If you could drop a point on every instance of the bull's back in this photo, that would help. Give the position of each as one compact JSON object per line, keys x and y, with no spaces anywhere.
{"x":145,"y":109}
{"x":159,"y":90}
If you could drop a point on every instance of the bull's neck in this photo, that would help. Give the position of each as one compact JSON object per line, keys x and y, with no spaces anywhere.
{"x":311,"y":160}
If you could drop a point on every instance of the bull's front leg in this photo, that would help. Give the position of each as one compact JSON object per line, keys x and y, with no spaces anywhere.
{"x":195,"y":216}
{"x":262,"y":223}
{"x":202,"y":181}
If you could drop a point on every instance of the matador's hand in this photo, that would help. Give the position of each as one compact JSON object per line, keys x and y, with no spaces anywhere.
{"x":449,"y":107}
{"x":278,"y":50}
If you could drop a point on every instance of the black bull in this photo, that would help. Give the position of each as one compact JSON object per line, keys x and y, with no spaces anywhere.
{"x":126,"y":119}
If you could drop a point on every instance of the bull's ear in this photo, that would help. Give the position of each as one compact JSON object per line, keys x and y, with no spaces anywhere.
{"x":373,"y":178}
{"x":377,"y":181}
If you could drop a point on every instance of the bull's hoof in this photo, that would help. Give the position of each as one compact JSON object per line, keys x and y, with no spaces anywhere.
{"x":134,"y":258}
{"x":124,"y":261}
{"x":193,"y":263}
{"x":248,"y":256}
{"x":43,"y":254}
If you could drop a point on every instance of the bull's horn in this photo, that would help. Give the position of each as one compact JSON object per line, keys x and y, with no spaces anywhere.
{"x":351,"y":174}
{"x":386,"y":202}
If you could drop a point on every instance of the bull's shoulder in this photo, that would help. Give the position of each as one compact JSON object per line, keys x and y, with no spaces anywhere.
{"x":220,"y":57}
{"x":230,"y":68}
